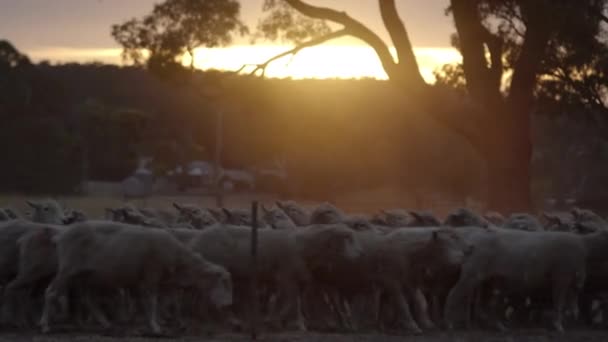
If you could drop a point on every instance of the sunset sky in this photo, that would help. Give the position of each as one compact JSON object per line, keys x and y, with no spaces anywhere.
{"x":79,"y":30}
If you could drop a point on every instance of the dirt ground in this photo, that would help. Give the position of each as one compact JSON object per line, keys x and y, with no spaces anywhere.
{"x":520,"y":336}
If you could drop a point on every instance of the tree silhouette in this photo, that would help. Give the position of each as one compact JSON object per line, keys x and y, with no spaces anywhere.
{"x":176,"y":28}
{"x":518,"y":36}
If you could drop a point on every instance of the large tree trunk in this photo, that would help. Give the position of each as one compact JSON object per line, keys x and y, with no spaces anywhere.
{"x":507,"y":152}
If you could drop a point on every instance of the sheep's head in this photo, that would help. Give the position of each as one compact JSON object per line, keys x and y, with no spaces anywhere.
{"x":494,"y":218}
{"x":423,"y":219}
{"x":46,"y":211}
{"x":523,"y":221}
{"x":73,"y":216}
{"x":395,"y":218}
{"x":277,"y":218}
{"x":198,"y":217}
{"x":239,"y":217}
{"x":464,"y":217}
{"x":359,"y":223}
{"x":3,"y":215}
{"x":554,"y":222}
{"x":586,"y":215}
{"x":326,"y":213}
{"x":296,"y":213}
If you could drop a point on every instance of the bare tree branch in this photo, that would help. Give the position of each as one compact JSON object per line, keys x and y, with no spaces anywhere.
{"x":295,"y":50}
{"x":400,"y":38}
{"x":355,"y":29}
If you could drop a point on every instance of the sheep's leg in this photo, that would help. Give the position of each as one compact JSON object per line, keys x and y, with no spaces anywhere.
{"x":376,"y":300}
{"x":336,"y":303}
{"x":494,"y":304}
{"x":293,"y":296}
{"x":421,"y":308}
{"x":56,"y":288}
{"x":560,"y":291}
{"x":349,"y":315}
{"x":436,"y":308}
{"x":396,"y":293}
{"x":460,"y":294}
{"x":95,"y":311}
{"x":153,"y":313}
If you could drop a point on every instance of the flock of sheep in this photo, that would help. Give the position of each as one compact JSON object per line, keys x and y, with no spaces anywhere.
{"x":317,"y":268}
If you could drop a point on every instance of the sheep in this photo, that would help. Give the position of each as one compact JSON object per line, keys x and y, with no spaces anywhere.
{"x":130,"y":215}
{"x":277,"y":218}
{"x":285,"y":257}
{"x":464,"y":217}
{"x":519,"y":262}
{"x":423,"y":219}
{"x":494,"y":218}
{"x":166,"y":216}
{"x":4,"y":215}
{"x":523,"y":221}
{"x":199,"y":218}
{"x":299,"y":215}
{"x":72,"y":216}
{"x":47,"y":211}
{"x":326,"y":213}
{"x":115,"y":255}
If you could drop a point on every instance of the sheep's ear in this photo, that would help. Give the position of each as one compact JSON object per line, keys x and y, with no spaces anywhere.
{"x":279,"y":204}
{"x":33,"y":204}
{"x":264,"y":209}
{"x":178,"y":206}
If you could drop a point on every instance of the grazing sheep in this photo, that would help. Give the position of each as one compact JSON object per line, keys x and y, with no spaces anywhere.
{"x":96,"y":253}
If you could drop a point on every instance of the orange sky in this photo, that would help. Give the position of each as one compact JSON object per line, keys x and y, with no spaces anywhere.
{"x":78,"y":30}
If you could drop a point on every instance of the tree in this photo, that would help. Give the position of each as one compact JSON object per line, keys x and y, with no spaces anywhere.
{"x":176,"y":28}
{"x":518,"y":36}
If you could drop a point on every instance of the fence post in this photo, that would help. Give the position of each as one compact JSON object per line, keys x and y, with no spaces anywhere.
{"x":254,"y":269}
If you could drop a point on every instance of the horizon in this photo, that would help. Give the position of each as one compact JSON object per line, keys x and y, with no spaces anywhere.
{"x":84,"y":36}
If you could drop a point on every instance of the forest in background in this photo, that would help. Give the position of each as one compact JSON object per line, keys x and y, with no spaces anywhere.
{"x":66,"y":123}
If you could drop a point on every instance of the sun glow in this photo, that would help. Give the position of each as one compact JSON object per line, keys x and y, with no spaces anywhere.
{"x":322,"y":62}
{"x":326,"y":61}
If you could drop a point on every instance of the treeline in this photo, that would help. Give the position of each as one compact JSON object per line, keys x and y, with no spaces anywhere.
{"x":66,"y":123}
